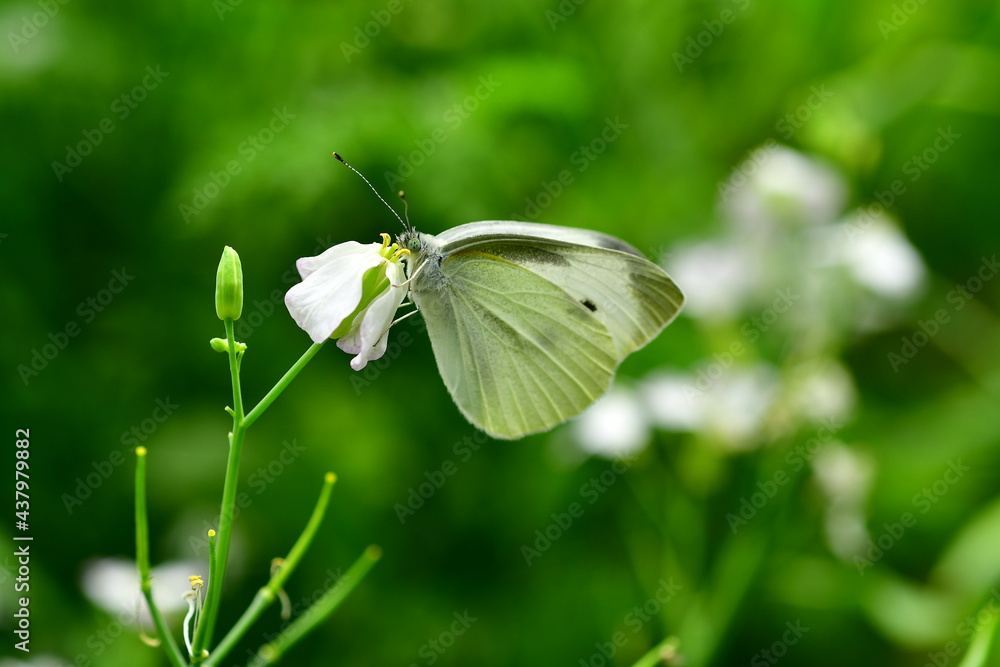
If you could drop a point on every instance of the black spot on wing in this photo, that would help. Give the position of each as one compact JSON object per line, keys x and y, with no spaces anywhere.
{"x":590,"y":305}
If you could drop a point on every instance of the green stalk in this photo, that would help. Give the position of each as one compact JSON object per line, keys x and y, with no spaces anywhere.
{"x":142,"y":560}
{"x":203,"y":633}
{"x":979,"y":649}
{"x":267,"y":594}
{"x":271,"y":652}
{"x":659,"y":654}
{"x":241,"y":422}
{"x":281,"y":384}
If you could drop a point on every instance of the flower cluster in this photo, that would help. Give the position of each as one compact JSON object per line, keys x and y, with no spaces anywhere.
{"x":791,"y":276}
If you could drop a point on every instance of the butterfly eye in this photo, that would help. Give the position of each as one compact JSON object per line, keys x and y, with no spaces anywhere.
{"x":413,"y":245}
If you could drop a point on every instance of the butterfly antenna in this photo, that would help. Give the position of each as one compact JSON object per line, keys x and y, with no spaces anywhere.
{"x":337,"y":155}
{"x":406,"y":210}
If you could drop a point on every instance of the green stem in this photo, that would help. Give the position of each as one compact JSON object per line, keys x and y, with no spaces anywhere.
{"x":979,"y":649}
{"x":241,"y":422}
{"x":659,"y":654}
{"x":234,"y":372}
{"x":281,"y":384}
{"x":266,"y":595}
{"x":316,"y":614}
{"x":142,"y":560}
{"x":206,"y":627}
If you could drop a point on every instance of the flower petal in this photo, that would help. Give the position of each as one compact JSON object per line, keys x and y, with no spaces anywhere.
{"x":367,"y":337}
{"x":307,"y":265}
{"x":331,"y":288}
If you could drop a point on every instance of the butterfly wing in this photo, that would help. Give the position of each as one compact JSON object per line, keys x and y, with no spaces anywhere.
{"x":634,"y":298}
{"x":528,"y":329}
{"x":517,"y":353}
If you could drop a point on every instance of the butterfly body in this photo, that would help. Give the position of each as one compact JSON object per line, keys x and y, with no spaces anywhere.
{"x":528,"y":321}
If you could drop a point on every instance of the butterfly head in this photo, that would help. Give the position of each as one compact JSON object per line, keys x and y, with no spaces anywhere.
{"x":410,"y":239}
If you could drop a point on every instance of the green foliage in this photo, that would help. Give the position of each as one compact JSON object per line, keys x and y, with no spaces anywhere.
{"x":142,"y":137}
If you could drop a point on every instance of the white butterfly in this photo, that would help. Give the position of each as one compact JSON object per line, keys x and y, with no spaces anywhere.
{"x":529,"y":321}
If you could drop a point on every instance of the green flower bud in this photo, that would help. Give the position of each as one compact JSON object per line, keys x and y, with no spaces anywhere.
{"x":229,"y":286}
{"x":222,"y":345}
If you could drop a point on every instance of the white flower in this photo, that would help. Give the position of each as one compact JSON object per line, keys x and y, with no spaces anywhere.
{"x":846,"y":477}
{"x":779,"y":184}
{"x":351,"y":291}
{"x":728,"y":404}
{"x":821,"y":389}
{"x":718,"y":277}
{"x":113,"y":585}
{"x":673,"y":403}
{"x":880,"y":257}
{"x":613,"y":427}
{"x":739,"y":403}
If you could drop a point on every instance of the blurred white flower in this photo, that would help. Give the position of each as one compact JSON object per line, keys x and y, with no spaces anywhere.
{"x":672,"y":401}
{"x":729,"y":405}
{"x":879,"y":257}
{"x":821,"y":389}
{"x":845,"y":476}
{"x":740,"y":402}
{"x":113,"y":585}
{"x":718,"y":277}
{"x":779,"y":184}
{"x":613,"y":427}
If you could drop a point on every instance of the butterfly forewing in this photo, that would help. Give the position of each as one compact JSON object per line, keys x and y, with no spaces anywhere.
{"x":634,"y":298}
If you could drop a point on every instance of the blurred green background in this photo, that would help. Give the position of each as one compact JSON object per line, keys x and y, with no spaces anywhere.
{"x":140,"y":138}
